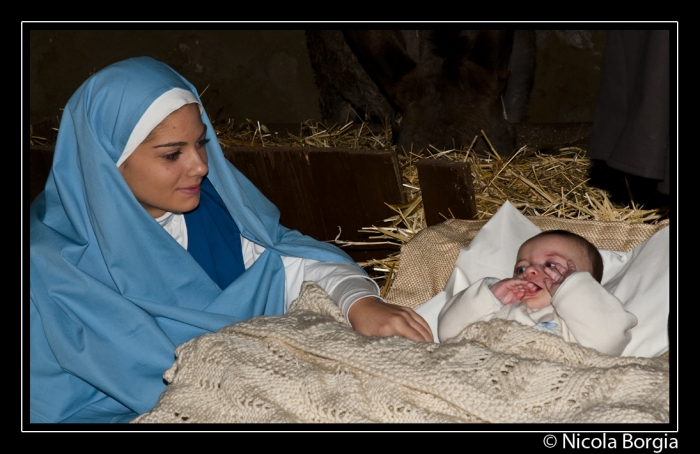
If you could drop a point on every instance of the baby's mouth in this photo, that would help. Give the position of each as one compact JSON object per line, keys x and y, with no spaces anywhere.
{"x":533,"y":292}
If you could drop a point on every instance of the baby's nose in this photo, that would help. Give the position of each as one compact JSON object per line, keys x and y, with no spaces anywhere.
{"x":532,"y":270}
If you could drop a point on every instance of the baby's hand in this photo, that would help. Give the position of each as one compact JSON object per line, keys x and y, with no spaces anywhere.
{"x":511,"y":290}
{"x":557,"y":275}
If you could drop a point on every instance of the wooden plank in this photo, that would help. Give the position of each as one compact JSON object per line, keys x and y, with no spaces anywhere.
{"x":326,"y":191}
{"x":447,"y":190}
{"x":353,"y":188}
{"x":284,"y":176}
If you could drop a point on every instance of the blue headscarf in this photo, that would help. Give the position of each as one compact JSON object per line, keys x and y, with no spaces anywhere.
{"x":112,"y":294}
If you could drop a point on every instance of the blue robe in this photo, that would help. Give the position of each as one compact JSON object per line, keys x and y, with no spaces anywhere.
{"x":112,"y":294}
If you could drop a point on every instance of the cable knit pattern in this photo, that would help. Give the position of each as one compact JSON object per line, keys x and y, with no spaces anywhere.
{"x":309,"y":366}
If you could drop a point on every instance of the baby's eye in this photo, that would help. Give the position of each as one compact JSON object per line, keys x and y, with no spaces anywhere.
{"x":550,"y":265}
{"x":520,"y":270}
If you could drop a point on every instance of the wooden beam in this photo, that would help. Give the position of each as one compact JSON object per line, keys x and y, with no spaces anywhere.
{"x":324,"y":192}
{"x":447,"y":190}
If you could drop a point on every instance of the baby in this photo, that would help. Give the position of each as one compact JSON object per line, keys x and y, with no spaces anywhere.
{"x":555,"y":288}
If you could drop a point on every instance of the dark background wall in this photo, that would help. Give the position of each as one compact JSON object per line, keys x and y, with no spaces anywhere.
{"x":266,"y":75}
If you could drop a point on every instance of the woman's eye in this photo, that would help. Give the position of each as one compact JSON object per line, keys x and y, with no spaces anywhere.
{"x":172,"y":156}
{"x":203,"y":142}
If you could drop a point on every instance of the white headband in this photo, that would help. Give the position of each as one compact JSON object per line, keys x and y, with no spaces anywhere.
{"x":166,"y":104}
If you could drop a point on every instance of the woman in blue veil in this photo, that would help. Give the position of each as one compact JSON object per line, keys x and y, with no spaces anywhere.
{"x":123,"y":269}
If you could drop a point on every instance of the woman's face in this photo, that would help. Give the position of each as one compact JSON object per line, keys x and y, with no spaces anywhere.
{"x":165,"y":171}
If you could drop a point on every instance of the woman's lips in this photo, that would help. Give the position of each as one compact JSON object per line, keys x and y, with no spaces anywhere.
{"x":191,"y":189}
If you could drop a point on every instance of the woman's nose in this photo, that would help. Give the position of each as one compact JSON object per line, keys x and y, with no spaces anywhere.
{"x":197,"y":164}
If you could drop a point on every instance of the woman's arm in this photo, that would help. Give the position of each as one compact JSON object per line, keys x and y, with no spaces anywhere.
{"x":350,"y":288}
{"x":358,"y":298}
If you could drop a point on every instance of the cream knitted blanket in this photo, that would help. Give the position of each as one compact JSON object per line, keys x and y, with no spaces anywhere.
{"x":310,"y":366}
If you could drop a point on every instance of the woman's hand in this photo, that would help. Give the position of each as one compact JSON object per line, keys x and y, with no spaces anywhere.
{"x":372,"y":317}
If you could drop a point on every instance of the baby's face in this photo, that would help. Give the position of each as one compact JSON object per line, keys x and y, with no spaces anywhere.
{"x":546,"y":252}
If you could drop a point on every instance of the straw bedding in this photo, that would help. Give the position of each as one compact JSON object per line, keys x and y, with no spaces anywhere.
{"x":309,"y":366}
